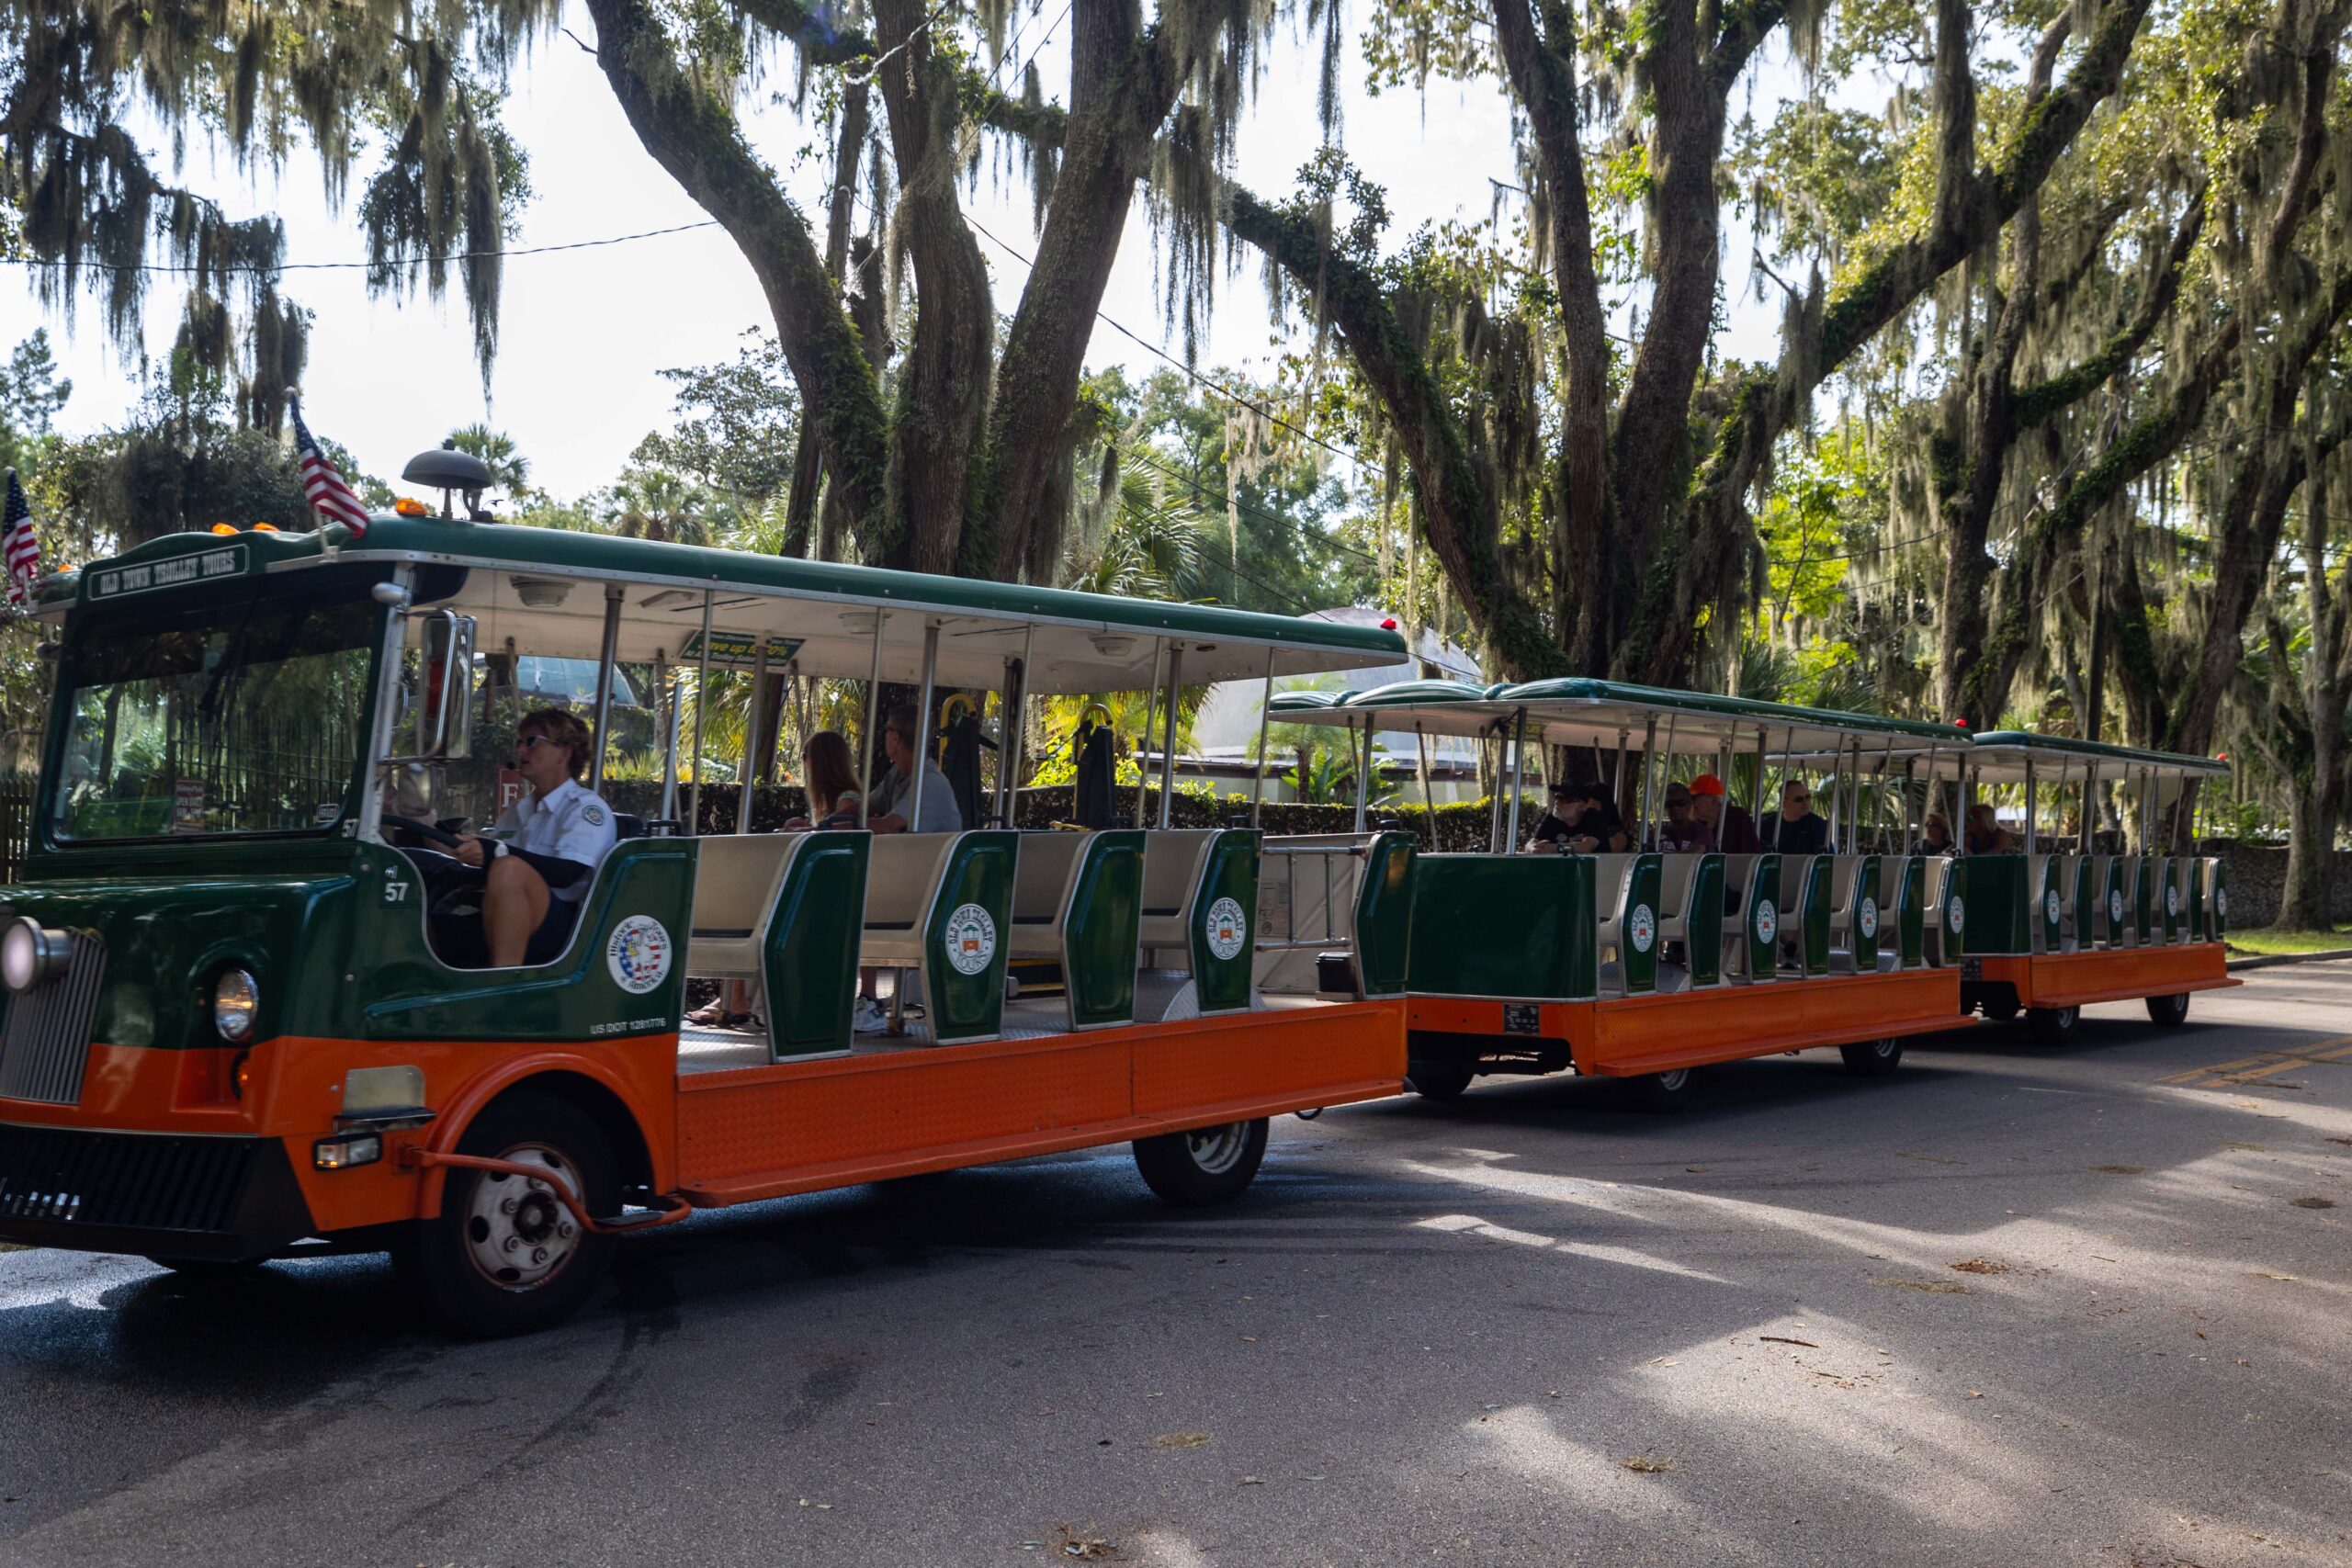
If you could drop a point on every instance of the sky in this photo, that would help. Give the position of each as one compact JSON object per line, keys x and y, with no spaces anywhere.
{"x":584,"y":332}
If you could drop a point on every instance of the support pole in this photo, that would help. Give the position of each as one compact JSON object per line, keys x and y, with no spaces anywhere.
{"x":2029,"y":800}
{"x":1015,"y":755}
{"x":1168,"y":751}
{"x":1494,"y":805}
{"x":613,"y":593}
{"x":1143,"y":759}
{"x":1518,"y":770}
{"x":702,"y":707}
{"x":923,"y":723}
{"x":1362,"y":746}
{"x":1428,"y":799}
{"x":1649,"y":773}
{"x":873,"y":717}
{"x":665,"y":681}
{"x":1265,"y":718}
{"x":752,"y":735}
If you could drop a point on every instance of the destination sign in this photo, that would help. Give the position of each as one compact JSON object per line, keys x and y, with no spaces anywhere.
{"x":119,"y":582}
{"x":738,"y":650}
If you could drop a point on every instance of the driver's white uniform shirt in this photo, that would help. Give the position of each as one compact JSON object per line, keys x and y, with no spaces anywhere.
{"x":569,"y":823}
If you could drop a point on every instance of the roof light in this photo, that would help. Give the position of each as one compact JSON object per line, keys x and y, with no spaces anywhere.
{"x":224,"y":527}
{"x":1388,"y":623}
{"x":265,"y":527}
{"x":409,"y":506}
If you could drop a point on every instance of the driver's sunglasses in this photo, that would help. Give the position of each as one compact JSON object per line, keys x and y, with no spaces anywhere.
{"x":523,"y":744}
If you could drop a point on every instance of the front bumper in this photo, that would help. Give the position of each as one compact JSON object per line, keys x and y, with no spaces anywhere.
{"x":157,"y":1195}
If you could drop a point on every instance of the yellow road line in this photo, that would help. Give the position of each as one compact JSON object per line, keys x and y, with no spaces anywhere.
{"x":2332,"y":1050}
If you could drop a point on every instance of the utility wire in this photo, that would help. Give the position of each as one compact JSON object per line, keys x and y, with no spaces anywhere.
{"x":356,"y":266}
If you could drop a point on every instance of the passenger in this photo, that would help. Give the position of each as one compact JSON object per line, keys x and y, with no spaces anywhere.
{"x":1593,"y":826}
{"x":895,"y":794}
{"x":1734,"y":829}
{"x":560,"y":834}
{"x":1986,"y":834}
{"x":1559,"y":823}
{"x":1936,"y":837}
{"x":829,"y":780}
{"x":1796,"y":828}
{"x":1682,"y":833}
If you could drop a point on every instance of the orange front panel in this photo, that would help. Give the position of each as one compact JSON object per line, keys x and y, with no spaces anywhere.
{"x":1480,"y":1015}
{"x":764,"y":1132}
{"x":1628,"y":1035}
{"x":2111,"y":974}
{"x":294,"y":1091}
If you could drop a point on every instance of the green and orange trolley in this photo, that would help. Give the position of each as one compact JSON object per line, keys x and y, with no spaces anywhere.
{"x":232,"y":1033}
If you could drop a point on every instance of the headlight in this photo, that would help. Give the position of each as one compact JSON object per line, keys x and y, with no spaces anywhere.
{"x":30,"y":956}
{"x":236,"y":999}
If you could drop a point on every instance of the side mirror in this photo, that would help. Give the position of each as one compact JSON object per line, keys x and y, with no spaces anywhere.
{"x":445,"y":723}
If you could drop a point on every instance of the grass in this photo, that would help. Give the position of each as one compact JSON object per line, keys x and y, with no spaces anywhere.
{"x":2278,"y":938}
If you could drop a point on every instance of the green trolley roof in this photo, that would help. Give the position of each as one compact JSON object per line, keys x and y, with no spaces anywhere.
{"x":2001,"y":755}
{"x":544,"y":589}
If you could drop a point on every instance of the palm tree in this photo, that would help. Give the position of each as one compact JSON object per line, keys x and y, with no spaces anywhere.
{"x":509,"y":470}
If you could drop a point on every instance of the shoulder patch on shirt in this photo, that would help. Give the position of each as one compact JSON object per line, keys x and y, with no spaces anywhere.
{"x":593,"y":816}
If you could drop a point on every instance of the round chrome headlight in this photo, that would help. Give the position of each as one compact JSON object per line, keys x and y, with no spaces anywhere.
{"x":236,"y":997}
{"x":30,"y":956}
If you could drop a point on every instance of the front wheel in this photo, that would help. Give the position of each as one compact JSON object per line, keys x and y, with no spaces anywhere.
{"x":1662,"y":1091}
{"x":2168,"y":1012}
{"x":2001,"y":1007}
{"x":504,"y":1255}
{"x":2054,"y":1026}
{"x":1872,"y":1058}
{"x":1205,"y":1167}
{"x":1439,"y":1080}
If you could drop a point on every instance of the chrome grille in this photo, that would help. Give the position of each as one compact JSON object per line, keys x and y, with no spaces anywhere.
{"x":45,"y":1042}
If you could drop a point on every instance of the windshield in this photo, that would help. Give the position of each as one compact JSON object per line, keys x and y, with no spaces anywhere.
{"x":238,"y":718}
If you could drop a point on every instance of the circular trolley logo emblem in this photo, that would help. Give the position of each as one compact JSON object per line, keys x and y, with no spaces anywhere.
{"x":2221,"y":901}
{"x":1642,"y":928}
{"x":2172,"y":900}
{"x":971,"y":939}
{"x":1228,"y":929}
{"x":2115,"y":904}
{"x":1768,"y":920}
{"x":639,"y":954}
{"x":2050,"y":906}
{"x":1955,"y":915}
{"x":1870,"y":917}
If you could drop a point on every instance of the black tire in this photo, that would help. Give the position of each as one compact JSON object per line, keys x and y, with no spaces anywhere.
{"x":1659,"y":1092}
{"x":2168,"y":1012}
{"x":1872,"y":1058}
{"x":453,"y":1263}
{"x":2054,"y":1026}
{"x":2001,"y":1007}
{"x":1206,"y":1167}
{"x":1439,"y":1080}
{"x":210,"y":1270}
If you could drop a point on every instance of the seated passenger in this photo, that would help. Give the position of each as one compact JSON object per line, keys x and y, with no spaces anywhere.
{"x":1590,"y":823}
{"x":1559,"y":823}
{"x":560,"y":834}
{"x":1936,"y":837}
{"x":1682,"y":833}
{"x":829,"y":776}
{"x":1733,"y":829}
{"x":1986,"y":834}
{"x":895,"y":794}
{"x":1796,"y":828}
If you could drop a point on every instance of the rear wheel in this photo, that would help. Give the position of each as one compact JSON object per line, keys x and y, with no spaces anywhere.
{"x":2054,"y":1026}
{"x":2168,"y":1012}
{"x":1205,"y":1167}
{"x":1872,"y":1058}
{"x":1662,"y":1091}
{"x":1439,"y":1080}
{"x":504,"y":1255}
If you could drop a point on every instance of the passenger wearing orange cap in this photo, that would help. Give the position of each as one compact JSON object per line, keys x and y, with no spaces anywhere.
{"x":1734,"y":829}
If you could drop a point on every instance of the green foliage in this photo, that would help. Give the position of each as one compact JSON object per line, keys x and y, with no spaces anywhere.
{"x":738,"y":425}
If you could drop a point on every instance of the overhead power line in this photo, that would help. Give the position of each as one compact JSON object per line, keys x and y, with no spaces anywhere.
{"x":172,"y":268}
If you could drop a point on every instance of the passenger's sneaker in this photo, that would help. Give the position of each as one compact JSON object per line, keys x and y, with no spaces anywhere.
{"x":868,"y":1017}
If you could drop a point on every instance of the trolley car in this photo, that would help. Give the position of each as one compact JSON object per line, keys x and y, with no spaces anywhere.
{"x":232,"y":1030}
{"x":1646,"y":965}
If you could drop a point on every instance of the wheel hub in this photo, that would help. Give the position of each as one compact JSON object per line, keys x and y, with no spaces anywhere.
{"x":1216,"y":1150}
{"x":518,"y":1233}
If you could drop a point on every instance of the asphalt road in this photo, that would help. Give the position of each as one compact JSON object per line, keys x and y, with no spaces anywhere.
{"x":2010,"y":1307}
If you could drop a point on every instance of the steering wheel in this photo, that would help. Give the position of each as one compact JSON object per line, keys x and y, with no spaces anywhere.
{"x":431,"y":830}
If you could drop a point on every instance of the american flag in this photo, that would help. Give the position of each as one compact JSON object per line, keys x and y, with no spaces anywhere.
{"x":329,"y":496}
{"x":20,"y":549}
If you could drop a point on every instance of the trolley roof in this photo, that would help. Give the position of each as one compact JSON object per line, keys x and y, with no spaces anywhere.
{"x":544,"y":589}
{"x":2001,"y":756}
{"x":1575,"y":711}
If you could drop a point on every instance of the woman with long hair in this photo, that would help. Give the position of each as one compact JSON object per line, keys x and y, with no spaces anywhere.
{"x":830,"y":776}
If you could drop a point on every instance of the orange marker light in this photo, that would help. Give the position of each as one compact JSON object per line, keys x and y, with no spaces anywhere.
{"x":408,"y":507}
{"x":265,"y":527}
{"x":224,"y":527}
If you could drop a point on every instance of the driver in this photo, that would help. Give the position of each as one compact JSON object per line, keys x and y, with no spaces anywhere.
{"x":559,"y":833}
